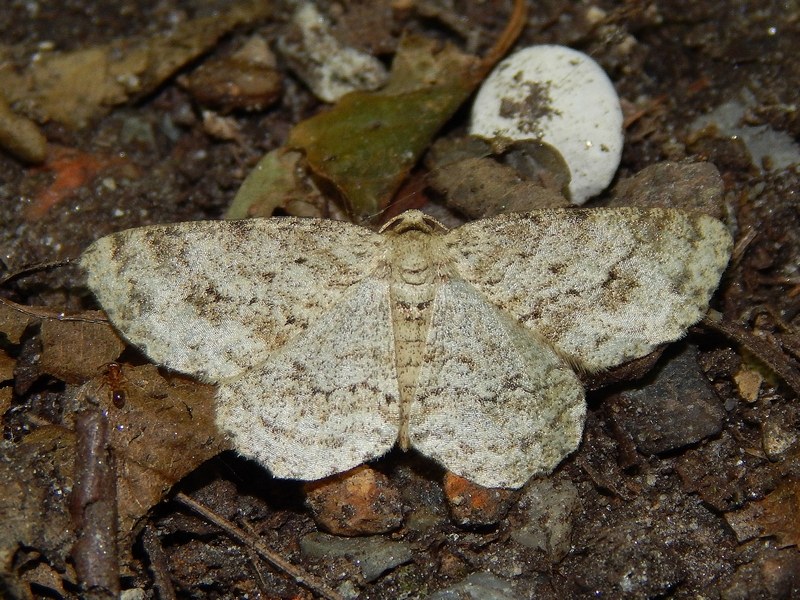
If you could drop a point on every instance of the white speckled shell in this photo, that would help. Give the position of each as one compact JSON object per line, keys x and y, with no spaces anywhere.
{"x":563,"y":97}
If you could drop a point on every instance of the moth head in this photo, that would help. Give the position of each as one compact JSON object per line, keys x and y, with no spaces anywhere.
{"x":413,"y":220}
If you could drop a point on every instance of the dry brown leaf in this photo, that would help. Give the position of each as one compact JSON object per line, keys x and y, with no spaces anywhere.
{"x":13,"y":322}
{"x":6,"y":396}
{"x":164,"y":430}
{"x":276,"y":182}
{"x":76,"y":87}
{"x":37,"y":475}
{"x":777,"y":515}
{"x":7,"y":365}
{"x":74,"y":351}
{"x":482,"y":187}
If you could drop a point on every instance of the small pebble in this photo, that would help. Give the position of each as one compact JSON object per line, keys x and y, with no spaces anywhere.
{"x":748,"y":382}
{"x":677,"y":408}
{"x":474,"y":505}
{"x":245,"y":80}
{"x":478,"y":586}
{"x":548,"y":507}
{"x":373,"y":555}
{"x":357,"y":502}
{"x":328,"y":67}
{"x":777,"y":436}
{"x":20,"y":136}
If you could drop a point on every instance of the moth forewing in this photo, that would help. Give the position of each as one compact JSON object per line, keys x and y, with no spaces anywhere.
{"x":329,"y":342}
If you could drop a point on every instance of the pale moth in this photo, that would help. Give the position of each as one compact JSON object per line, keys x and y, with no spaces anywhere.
{"x":330,"y":343}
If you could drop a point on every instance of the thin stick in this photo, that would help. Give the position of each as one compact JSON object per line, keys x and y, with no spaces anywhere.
{"x":254,"y":560}
{"x":158,"y":564}
{"x":766,"y":353}
{"x":40,"y":312}
{"x":516,"y":22}
{"x":298,"y":574}
{"x":93,"y":507}
{"x":35,"y":269}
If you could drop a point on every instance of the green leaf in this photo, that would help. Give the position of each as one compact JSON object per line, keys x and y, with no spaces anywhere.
{"x":366,"y":144}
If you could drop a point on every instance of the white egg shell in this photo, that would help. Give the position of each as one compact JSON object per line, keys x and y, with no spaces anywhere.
{"x":560,"y":96}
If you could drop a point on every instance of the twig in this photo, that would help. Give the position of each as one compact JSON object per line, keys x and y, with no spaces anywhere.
{"x":158,"y":564}
{"x":262,"y":584}
{"x":766,"y":353}
{"x":298,"y":574}
{"x":87,"y":316}
{"x":741,"y":246}
{"x":93,"y":506}
{"x":35,"y":269}
{"x":38,"y":312}
{"x":516,"y":22}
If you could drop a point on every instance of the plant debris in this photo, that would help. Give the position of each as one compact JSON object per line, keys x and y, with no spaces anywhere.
{"x":712,"y":514}
{"x":77,"y":87}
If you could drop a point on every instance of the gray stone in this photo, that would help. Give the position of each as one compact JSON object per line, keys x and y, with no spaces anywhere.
{"x":677,"y":408}
{"x":373,"y":555}
{"x":548,"y":507}
{"x":478,"y":586}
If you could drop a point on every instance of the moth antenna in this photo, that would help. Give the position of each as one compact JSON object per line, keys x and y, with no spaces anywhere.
{"x":44,"y":312}
{"x":24,"y":271}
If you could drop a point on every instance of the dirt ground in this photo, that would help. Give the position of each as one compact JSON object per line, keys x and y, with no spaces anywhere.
{"x":687,"y":482}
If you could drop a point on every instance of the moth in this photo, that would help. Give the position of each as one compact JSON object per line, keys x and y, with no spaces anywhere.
{"x":330,"y":343}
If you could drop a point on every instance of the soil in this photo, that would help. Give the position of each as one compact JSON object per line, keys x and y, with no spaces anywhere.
{"x":696,"y":496}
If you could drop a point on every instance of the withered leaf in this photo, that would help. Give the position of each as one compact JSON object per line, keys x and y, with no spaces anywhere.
{"x":75,"y":87}
{"x":275,"y":183}
{"x":366,"y":144}
{"x":37,"y":476}
{"x":6,"y":367}
{"x":76,"y":350}
{"x":13,"y":322}
{"x":164,"y":430}
{"x":777,"y":515}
